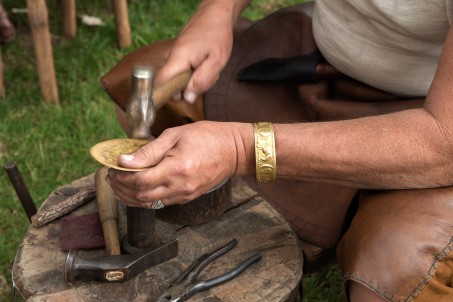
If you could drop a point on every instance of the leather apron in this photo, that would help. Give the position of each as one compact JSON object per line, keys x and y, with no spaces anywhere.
{"x":396,"y":243}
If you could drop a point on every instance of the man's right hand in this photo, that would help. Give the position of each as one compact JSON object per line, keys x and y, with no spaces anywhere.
{"x":204,"y":45}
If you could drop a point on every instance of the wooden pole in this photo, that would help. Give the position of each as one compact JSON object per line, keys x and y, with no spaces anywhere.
{"x":38,"y":18}
{"x":2,"y":86}
{"x":123,"y":29}
{"x":69,"y":18}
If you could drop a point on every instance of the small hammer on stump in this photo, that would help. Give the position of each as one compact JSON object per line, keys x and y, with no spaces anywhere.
{"x":141,"y":113}
{"x":117,"y":268}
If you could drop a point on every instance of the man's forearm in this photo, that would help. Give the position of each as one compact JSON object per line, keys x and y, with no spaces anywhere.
{"x":400,"y":150}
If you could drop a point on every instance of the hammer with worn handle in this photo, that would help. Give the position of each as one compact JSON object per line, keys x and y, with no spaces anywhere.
{"x":163,"y":93}
{"x":117,"y":268}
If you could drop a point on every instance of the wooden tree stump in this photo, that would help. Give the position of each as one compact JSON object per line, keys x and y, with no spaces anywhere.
{"x":38,"y":271}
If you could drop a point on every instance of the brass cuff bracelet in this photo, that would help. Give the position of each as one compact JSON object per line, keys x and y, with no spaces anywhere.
{"x":266,"y":162}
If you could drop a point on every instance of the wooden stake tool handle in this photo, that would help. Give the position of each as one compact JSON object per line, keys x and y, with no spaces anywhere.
{"x":108,"y":212}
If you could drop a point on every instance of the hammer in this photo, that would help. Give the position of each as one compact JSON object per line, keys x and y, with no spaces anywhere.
{"x":141,"y":113}
{"x":117,"y":268}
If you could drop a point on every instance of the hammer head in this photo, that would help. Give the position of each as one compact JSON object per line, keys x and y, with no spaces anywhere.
{"x":117,"y":268}
{"x":140,"y":110}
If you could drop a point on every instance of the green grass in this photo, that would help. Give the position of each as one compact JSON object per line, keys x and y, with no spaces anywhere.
{"x":50,"y":143}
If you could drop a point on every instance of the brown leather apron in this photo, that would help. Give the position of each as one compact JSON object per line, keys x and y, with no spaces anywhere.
{"x":315,"y":211}
{"x":380,"y":249}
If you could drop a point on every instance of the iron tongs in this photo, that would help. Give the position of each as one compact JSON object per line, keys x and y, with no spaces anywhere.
{"x":185,"y":286}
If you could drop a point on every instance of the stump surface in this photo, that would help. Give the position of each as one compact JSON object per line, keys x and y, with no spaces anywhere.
{"x":38,"y":271}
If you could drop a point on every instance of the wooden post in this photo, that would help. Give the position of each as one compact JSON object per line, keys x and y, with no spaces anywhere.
{"x":123,"y":29}
{"x":38,"y":18}
{"x":69,"y":18}
{"x":2,"y":86}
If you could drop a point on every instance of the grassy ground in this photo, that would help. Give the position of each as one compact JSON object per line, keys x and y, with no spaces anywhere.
{"x":50,"y":143}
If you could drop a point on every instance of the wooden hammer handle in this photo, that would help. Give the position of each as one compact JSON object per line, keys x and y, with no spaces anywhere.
{"x":108,"y":212}
{"x":163,"y":93}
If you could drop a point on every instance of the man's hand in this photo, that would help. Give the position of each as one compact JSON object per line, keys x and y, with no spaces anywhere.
{"x":184,"y":162}
{"x":204,"y":45}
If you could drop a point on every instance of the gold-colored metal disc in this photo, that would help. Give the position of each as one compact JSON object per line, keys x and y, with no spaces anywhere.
{"x":107,"y":152}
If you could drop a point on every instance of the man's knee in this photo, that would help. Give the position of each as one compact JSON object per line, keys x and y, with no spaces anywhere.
{"x":359,"y":293}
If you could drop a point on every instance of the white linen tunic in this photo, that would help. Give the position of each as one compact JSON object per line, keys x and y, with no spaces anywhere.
{"x":388,"y":44}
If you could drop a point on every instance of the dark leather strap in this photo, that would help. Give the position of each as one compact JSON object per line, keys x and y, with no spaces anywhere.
{"x":297,"y":69}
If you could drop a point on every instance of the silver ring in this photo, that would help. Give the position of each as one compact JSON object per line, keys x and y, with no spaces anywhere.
{"x":157,"y":204}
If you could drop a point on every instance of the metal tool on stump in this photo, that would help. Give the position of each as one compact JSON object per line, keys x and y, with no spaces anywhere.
{"x":21,"y":189}
{"x":141,"y":113}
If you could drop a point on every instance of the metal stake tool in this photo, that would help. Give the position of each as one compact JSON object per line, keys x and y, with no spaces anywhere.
{"x":141,"y":114}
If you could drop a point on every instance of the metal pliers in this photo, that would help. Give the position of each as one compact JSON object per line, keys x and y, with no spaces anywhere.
{"x":185,"y":286}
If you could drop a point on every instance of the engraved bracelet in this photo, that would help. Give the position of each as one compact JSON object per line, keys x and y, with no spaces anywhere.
{"x":266,"y":162}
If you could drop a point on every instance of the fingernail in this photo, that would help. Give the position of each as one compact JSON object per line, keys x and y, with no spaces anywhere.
{"x":190,"y":97}
{"x":127,"y":157}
